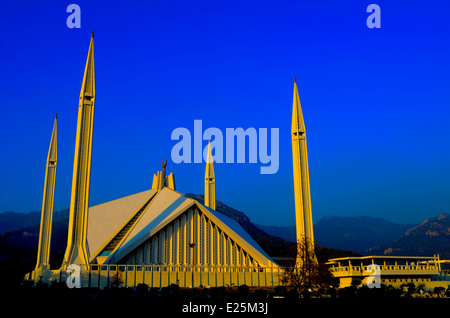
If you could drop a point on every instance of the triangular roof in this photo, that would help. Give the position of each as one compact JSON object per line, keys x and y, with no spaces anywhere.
{"x":163,"y":209}
{"x":166,"y":205}
{"x":238,"y":229}
{"x":106,"y":219}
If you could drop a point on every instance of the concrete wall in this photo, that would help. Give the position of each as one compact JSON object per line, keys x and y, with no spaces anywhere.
{"x":101,"y":276}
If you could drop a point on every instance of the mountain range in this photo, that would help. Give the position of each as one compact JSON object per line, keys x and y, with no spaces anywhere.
{"x":19,"y":237}
{"x":358,"y":233}
{"x":337,"y":236}
{"x":375,"y":236}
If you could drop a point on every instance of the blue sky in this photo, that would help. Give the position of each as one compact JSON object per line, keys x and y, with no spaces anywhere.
{"x":375,"y":101}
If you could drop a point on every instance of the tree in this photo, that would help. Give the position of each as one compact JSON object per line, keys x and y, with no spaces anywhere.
{"x":117,"y":279}
{"x":410,"y":287}
{"x":439,"y":290}
{"x":4,"y":238}
{"x":421,"y":288}
{"x":306,"y":272}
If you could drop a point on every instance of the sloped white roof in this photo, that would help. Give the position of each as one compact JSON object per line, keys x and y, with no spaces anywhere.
{"x":166,"y":205}
{"x":105,"y":219}
{"x":238,"y":229}
{"x":169,"y":204}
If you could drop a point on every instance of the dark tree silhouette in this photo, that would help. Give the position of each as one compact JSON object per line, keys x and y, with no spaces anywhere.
{"x":305,"y":272}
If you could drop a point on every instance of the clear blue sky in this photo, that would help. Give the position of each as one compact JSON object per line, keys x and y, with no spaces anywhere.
{"x":376,"y":101}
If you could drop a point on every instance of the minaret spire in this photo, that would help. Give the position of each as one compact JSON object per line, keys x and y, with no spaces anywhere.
{"x":298,"y":124}
{"x":210,"y":180}
{"x":77,"y":251}
{"x":163,"y":178}
{"x":302,"y":193}
{"x":47,"y":205}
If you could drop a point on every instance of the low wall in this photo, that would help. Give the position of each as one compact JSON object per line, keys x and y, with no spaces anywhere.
{"x":101,"y":276}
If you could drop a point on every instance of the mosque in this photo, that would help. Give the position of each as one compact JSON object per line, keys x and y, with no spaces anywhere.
{"x":159,"y":236}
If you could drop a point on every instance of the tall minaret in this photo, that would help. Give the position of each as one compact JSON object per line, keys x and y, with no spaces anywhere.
{"x":45,"y":232}
{"x":210,"y":181}
{"x":77,"y":250}
{"x":302,"y":193}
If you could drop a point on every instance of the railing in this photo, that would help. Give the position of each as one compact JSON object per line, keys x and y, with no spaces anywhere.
{"x":385,"y":270}
{"x":102,"y":276}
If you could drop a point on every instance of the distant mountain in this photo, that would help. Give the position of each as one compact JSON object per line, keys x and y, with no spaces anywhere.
{"x":364,"y":235}
{"x":26,"y":241}
{"x":357,"y":233}
{"x":13,"y":221}
{"x":284,"y":232}
{"x":22,"y":241}
{"x":352,"y":233}
{"x":375,"y":236}
{"x":336,"y":237}
{"x":430,"y":237}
